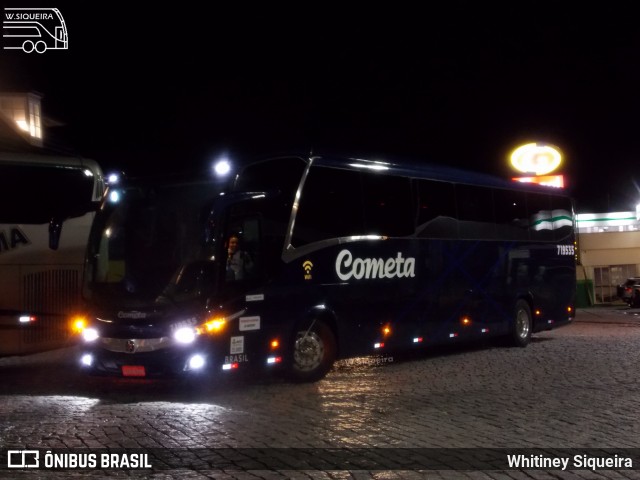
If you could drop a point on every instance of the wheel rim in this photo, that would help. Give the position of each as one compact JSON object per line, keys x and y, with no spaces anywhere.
{"x":522,"y":324}
{"x":308,"y":352}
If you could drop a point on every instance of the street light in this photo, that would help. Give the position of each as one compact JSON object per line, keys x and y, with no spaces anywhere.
{"x":222,"y":167}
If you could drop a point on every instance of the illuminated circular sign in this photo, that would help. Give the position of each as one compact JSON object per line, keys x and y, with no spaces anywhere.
{"x":536,"y":158}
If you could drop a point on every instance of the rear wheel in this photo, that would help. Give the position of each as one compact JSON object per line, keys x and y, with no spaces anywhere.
{"x":313,"y":352}
{"x":522,"y":325}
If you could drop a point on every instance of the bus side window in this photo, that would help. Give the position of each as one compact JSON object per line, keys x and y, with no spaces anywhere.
{"x":512,"y":222}
{"x":388,"y":206}
{"x":330,"y":206}
{"x":437,"y":217}
{"x":540,"y":216}
{"x":475,"y":212}
{"x":562,"y":212}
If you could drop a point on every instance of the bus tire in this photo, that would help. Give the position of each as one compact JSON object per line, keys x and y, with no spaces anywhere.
{"x":522,"y":324}
{"x":313,"y":352}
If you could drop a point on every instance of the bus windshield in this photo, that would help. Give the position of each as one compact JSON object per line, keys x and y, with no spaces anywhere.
{"x":68,"y":193}
{"x":151,"y":244}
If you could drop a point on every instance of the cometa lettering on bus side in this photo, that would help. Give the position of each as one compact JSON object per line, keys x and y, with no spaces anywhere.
{"x":358,"y":268}
{"x":13,"y":239}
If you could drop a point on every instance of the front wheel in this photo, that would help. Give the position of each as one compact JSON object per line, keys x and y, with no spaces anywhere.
{"x":522,"y":324}
{"x":313,"y":352}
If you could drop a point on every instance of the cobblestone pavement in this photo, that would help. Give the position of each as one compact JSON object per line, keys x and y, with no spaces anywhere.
{"x":574,"y":388}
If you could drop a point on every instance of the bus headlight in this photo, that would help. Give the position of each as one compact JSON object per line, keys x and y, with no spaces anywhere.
{"x":90,"y":334}
{"x":185,"y":335}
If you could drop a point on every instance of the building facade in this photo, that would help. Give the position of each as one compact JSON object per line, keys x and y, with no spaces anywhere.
{"x":609,"y":253}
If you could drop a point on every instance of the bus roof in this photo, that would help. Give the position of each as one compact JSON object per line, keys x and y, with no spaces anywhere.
{"x":35,"y":159}
{"x":432,"y":171}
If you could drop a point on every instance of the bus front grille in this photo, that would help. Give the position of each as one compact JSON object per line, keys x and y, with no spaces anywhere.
{"x":52,"y":296}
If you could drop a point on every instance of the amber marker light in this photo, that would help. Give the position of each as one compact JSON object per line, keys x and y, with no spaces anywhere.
{"x":275,"y":343}
{"x":214,"y":325}
{"x":465,"y":321}
{"x":78,"y":324}
{"x":386,"y":331}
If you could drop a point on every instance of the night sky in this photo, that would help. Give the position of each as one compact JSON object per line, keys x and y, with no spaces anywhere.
{"x":173,"y":87}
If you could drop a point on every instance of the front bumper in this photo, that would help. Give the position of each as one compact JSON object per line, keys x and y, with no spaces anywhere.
{"x":169,"y":361}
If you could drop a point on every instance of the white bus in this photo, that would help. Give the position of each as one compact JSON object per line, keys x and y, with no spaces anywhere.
{"x":47,"y":204}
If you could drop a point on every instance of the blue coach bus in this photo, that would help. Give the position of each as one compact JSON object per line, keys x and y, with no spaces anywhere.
{"x":347,"y":257}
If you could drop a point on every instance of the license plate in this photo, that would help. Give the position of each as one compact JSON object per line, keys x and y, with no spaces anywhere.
{"x":133,"y":371}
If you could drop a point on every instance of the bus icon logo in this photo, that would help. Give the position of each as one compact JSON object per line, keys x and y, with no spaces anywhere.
{"x":23,"y":458}
{"x":34,"y":29}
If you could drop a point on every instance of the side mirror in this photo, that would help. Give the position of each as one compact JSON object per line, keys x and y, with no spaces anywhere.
{"x":55,"y":229}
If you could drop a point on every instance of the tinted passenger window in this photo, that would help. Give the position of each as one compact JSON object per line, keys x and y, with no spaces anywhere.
{"x":331,"y":206}
{"x":282,"y":174}
{"x":540,"y":216}
{"x":562,"y":217}
{"x":437,"y":217}
{"x":388,"y":206}
{"x":512,"y":222}
{"x":475,"y":212}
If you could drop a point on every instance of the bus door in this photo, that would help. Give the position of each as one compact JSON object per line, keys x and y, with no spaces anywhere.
{"x":242,"y":288}
{"x":60,"y":37}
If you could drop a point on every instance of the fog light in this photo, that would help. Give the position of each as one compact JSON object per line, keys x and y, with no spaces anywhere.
{"x":87,"y":360}
{"x":196,"y":362}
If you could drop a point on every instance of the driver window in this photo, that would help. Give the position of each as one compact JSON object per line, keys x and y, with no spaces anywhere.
{"x":242,"y":250}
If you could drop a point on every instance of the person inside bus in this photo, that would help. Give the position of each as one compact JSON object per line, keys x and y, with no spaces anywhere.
{"x":239,"y":263}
